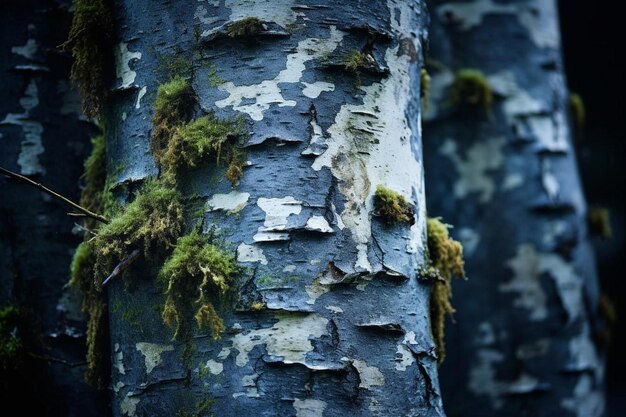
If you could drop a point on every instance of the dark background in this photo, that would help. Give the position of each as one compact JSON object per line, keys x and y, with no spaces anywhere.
{"x":592,"y":34}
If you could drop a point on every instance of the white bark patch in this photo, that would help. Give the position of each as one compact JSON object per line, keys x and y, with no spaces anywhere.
{"x":317,"y":140}
{"x":118,"y":359}
{"x":128,"y":406}
{"x":152,"y":354}
{"x":289,"y":338}
{"x":268,"y":92}
{"x":315,"y":290}
{"x":71,"y":102}
{"x":214,"y":367}
{"x":118,"y":386}
{"x":223,"y":353}
{"x":549,"y":181}
{"x":28,"y":50}
{"x":473,"y":170}
{"x":249,"y":383}
{"x":482,"y":376}
{"x":289,"y":268}
{"x":140,"y":95}
{"x":527,"y":266}
{"x":369,"y":144}
{"x":334,"y":309}
{"x":31,"y":146}
{"x":232,"y":202}
{"x":277,"y":210}
{"x":370,"y":376}
{"x":250,"y":253}
{"x":469,"y":239}
{"x":583,"y":354}
{"x":313,"y":90}
{"x":587,"y":401}
{"x":122,"y":64}
{"x":537,"y":18}
{"x":318,"y":224}
{"x":512,"y":181}
{"x":404,"y":356}
{"x":278,"y":11}
{"x":439,"y":83}
{"x":309,"y":408}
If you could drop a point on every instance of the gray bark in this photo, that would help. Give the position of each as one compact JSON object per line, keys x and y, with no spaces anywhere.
{"x":523,"y":342}
{"x":345,"y":328}
{"x":42,"y":136}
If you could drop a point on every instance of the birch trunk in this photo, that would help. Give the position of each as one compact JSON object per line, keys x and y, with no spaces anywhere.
{"x":506,"y":177}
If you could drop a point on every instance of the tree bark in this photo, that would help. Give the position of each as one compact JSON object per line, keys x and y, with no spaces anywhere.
{"x":44,"y":137}
{"x":329,"y":318}
{"x":506,"y":177}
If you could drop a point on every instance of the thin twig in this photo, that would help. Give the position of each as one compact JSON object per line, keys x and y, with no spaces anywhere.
{"x":53,"y":194}
{"x":122,"y":266}
{"x":76,"y":214}
{"x":81,"y":227}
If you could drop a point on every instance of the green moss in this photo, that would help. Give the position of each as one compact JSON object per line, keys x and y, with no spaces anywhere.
{"x":205,"y":139}
{"x":392,"y":206}
{"x":471,"y":90}
{"x":90,"y":41}
{"x":424,"y":88}
{"x":214,"y":78}
{"x":577,"y":110}
{"x":446,"y":257}
{"x":599,"y":221}
{"x":95,"y":177}
{"x":200,"y":270}
{"x":244,"y":28}
{"x":152,"y":222}
{"x":173,"y":107}
{"x":353,"y":61}
{"x":178,"y":66}
{"x":10,"y":340}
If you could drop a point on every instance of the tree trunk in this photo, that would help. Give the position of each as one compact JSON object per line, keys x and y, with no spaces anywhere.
{"x":44,"y":137}
{"x":328,"y":317}
{"x":505,"y":175}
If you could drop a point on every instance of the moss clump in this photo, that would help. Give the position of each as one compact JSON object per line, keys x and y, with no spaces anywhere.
{"x":205,"y":139}
{"x":392,"y":206}
{"x":446,"y":257}
{"x":214,"y":78}
{"x":424,"y":88}
{"x":95,"y":177}
{"x":599,"y":221}
{"x":196,"y":269}
{"x":173,"y":107}
{"x":10,"y":340}
{"x":353,"y":61}
{"x":577,"y":110}
{"x":471,"y":90}
{"x":91,"y":42}
{"x":152,"y":222}
{"x":244,"y":28}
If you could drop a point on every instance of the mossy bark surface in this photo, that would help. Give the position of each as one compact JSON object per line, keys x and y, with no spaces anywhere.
{"x":326,"y":316}
{"x":524,"y":336}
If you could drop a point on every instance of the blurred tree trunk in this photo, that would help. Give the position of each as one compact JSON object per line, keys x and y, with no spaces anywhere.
{"x":505,"y":175}
{"x":42,"y":136}
{"x":329,"y":318}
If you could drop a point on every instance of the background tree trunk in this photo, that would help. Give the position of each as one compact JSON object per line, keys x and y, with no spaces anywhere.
{"x":43,"y":136}
{"x":329,"y":318}
{"x":506,"y":177}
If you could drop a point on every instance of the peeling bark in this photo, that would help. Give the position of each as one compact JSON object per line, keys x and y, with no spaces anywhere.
{"x":506,"y":177}
{"x":329,"y":318}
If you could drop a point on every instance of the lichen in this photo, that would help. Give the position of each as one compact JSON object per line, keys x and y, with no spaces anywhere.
{"x":174,"y":106}
{"x":392,"y":207}
{"x":424,"y":88}
{"x":205,"y":139}
{"x":471,"y":89}
{"x":200,"y":269}
{"x":244,"y":28}
{"x":152,"y":222}
{"x":10,"y":340}
{"x":257,"y":306}
{"x":599,"y":221}
{"x":446,"y":257}
{"x":90,"y":41}
{"x":577,"y":110}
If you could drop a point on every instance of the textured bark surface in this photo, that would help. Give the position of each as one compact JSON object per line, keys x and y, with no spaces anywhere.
{"x":507,"y":179}
{"x":42,"y":136}
{"x":345,"y":326}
